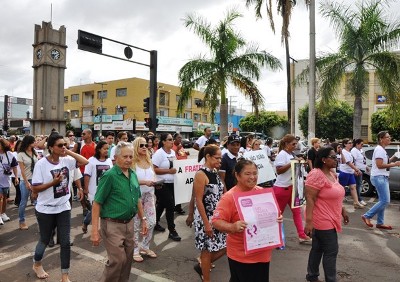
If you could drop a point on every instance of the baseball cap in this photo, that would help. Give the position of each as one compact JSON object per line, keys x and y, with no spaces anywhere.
{"x":233,"y":139}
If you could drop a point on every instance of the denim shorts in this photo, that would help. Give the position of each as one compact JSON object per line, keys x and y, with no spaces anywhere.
{"x":4,"y":190}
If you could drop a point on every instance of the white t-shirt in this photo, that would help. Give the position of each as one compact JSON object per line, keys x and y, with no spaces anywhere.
{"x":15,"y":154}
{"x":95,"y":169}
{"x":267,"y":150}
{"x":359,"y":158}
{"x":146,"y":174}
{"x":201,"y":141}
{"x":54,"y":199}
{"x":348,"y":158}
{"x":163,"y":160}
{"x":6,"y":164}
{"x":284,"y":179}
{"x":379,"y":153}
{"x":112,"y":153}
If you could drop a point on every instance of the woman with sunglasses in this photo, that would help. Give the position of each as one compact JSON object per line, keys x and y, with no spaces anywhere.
{"x":71,"y":136}
{"x":52,"y":181}
{"x":27,"y":158}
{"x":97,"y":166}
{"x":324,"y":212}
{"x":283,"y":185}
{"x":163,"y":167}
{"x":145,"y":172}
{"x":348,"y":170}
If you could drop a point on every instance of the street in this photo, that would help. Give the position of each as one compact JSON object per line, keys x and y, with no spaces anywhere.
{"x":365,"y":254}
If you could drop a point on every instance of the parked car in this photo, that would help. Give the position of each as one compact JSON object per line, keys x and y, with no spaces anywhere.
{"x":186,"y":143}
{"x":367,"y":188}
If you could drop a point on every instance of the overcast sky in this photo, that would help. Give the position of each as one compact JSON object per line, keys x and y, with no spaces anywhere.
{"x":153,"y":25}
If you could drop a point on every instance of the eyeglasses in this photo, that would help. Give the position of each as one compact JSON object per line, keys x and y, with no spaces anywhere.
{"x":62,"y":145}
{"x":169,"y":139}
{"x":350,"y":142}
{"x":71,"y":135}
{"x":333,"y":157}
{"x":143,"y":145}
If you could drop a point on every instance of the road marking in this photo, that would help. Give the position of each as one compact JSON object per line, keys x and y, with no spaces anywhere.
{"x":134,"y":271}
{"x":15,"y":259}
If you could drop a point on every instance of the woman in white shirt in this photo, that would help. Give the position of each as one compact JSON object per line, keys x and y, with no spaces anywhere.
{"x":381,"y":164}
{"x":348,"y":170}
{"x":283,"y":185}
{"x":144,"y":170}
{"x":98,"y":164}
{"x":361,"y":164}
{"x":52,"y":181}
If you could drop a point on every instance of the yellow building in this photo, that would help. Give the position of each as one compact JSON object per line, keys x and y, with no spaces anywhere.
{"x":121,"y":102}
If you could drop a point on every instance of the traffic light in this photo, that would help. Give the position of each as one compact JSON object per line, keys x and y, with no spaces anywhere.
{"x":147,"y":122}
{"x":5,"y":127}
{"x":156,"y":123}
{"x":146,"y":105}
{"x":90,"y":42}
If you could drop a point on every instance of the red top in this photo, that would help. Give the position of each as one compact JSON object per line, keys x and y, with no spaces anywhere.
{"x":226,"y":210}
{"x":327,"y":213}
{"x":87,"y":151}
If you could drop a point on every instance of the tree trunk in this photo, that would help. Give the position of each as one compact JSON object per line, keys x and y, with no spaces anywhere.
{"x":357,"y":117}
{"x":223,"y":119}
{"x":288,"y":90}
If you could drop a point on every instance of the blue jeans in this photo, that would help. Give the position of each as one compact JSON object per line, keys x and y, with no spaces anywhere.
{"x":358,"y":186}
{"x":24,"y":200}
{"x":47,"y":222}
{"x":381,"y":184}
{"x":324,"y":246}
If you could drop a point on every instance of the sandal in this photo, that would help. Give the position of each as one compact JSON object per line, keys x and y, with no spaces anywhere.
{"x":137,"y":258}
{"x":148,"y":253}
{"x":39,"y":271}
{"x":383,"y":226}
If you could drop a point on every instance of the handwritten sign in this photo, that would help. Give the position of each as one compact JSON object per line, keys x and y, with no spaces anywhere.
{"x":183,"y":179}
{"x":265,"y":169}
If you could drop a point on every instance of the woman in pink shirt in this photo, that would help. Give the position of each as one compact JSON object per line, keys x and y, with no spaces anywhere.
{"x":324,"y":211}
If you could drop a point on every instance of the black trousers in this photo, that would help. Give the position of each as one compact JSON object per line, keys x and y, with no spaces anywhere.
{"x":165,"y":200}
{"x":245,"y":272}
{"x":324,"y":246}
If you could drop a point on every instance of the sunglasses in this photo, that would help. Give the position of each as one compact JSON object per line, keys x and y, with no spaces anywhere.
{"x":143,"y":145}
{"x":62,"y":145}
{"x":71,"y":135}
{"x":333,"y":157}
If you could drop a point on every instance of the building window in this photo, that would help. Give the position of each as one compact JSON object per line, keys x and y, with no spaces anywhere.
{"x":198,"y":102}
{"x":204,"y":118}
{"x":65,"y":99}
{"x":74,"y":114}
{"x":163,"y":101}
{"x":177,"y":98}
{"x":196,"y":117}
{"x":178,"y":115}
{"x":364,"y":130}
{"x":66,"y":115}
{"x":121,"y":92}
{"x":74,"y":97}
{"x":102,"y":94}
{"x":187,"y":115}
{"x":164,"y":112}
{"x":121,"y":110}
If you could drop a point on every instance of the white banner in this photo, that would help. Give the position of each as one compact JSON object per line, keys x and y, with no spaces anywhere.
{"x":183,"y":179}
{"x":265,"y":169}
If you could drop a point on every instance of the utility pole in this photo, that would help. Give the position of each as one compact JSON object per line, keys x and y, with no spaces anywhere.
{"x":292,"y":99}
{"x":101,"y":107}
{"x":311,"y":86}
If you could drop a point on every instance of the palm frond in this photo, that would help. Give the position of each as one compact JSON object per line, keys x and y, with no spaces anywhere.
{"x":258,"y":4}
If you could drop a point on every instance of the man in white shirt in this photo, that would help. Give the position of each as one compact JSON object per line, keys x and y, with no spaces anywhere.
{"x":203,"y":139}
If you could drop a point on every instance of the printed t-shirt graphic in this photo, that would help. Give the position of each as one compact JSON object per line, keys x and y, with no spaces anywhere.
{"x":61,"y":189}
{"x":100,"y":170}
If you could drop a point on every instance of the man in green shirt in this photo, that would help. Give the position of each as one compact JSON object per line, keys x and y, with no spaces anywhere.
{"x":116,"y":202}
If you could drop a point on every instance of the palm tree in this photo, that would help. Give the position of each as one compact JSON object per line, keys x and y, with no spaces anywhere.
{"x":284,"y":8}
{"x":231,"y":61}
{"x":365,"y":38}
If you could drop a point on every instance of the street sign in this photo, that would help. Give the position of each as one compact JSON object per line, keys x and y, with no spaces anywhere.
{"x":230,"y":127}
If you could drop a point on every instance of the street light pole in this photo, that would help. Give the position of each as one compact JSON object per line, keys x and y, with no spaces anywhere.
{"x":101,"y":107}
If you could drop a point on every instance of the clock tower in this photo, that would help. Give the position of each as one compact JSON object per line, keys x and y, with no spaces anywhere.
{"x":49,"y":64}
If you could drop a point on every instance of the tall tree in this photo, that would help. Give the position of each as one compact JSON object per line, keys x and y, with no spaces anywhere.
{"x":231,"y":60}
{"x":365,"y":38}
{"x":284,"y":8}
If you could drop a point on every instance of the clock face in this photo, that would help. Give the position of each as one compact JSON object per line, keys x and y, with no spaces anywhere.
{"x":55,"y":54}
{"x":39,"y":54}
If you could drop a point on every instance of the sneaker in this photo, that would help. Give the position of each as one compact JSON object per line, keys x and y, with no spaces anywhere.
{"x":363,"y":203}
{"x":159,"y":228}
{"x":1,"y":221}
{"x":305,"y":240}
{"x":4,"y":217}
{"x":75,"y":198}
{"x":174,"y":236}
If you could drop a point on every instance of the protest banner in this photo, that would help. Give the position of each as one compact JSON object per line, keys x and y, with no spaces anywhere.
{"x":298,"y":173}
{"x":265,"y":169}
{"x":183,"y":179}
